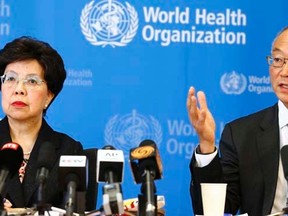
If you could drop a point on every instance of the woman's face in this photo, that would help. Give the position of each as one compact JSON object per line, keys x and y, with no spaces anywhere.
{"x":22,"y":99}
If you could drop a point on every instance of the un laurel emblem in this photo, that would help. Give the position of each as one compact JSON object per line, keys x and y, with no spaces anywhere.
{"x":233,"y":83}
{"x":109,"y":23}
{"x":128,"y":131}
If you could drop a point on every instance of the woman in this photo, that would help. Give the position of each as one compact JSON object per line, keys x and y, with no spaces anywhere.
{"x":32,"y":75}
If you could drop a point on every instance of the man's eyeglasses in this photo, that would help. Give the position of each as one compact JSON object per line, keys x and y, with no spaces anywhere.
{"x":11,"y":78}
{"x":277,"y":62}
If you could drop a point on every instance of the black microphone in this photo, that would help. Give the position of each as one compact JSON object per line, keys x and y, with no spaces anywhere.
{"x":146,"y":167}
{"x":45,"y":161}
{"x":284,"y":159}
{"x":144,"y":157}
{"x":110,"y":164}
{"x":11,"y":158}
{"x":73,"y":179}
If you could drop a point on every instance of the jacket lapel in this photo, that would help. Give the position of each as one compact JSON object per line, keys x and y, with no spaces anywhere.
{"x":268,"y":148}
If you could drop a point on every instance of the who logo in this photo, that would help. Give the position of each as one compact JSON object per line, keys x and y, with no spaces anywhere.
{"x":128,"y":131}
{"x":233,"y":83}
{"x":109,"y":22}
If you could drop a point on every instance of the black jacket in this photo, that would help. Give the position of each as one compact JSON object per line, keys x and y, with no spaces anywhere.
{"x":249,"y":162}
{"x":25,"y":194}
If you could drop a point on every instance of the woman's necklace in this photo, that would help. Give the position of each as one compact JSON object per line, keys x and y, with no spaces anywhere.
{"x":26,"y":154}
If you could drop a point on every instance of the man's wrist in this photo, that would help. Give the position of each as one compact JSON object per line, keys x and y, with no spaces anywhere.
{"x":198,"y":151}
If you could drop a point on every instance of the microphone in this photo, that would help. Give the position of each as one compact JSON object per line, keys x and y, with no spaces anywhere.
{"x":45,"y":161}
{"x":146,"y":167}
{"x":148,"y":157}
{"x":73,"y":179}
{"x":284,"y":159}
{"x":110,"y":164}
{"x":11,"y":158}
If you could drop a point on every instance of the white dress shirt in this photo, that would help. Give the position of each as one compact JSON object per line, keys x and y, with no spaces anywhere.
{"x":281,"y":190}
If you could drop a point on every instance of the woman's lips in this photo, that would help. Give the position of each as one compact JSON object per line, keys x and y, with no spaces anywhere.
{"x":18,"y":104}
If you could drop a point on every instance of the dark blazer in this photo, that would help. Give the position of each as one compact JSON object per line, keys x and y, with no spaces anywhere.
{"x":25,"y":194}
{"x":248,"y":162}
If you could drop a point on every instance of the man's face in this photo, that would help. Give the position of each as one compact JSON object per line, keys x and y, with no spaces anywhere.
{"x":279,"y":76}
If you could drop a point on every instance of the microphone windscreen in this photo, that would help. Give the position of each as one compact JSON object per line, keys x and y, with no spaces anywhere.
{"x":46,"y":155}
{"x":11,"y":157}
{"x":148,"y":158}
{"x":147,"y":142}
{"x":109,"y":147}
{"x":284,"y":158}
{"x":145,"y":150}
{"x":74,"y":177}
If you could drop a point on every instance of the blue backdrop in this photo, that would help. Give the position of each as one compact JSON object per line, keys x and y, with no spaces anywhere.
{"x":130,"y":64}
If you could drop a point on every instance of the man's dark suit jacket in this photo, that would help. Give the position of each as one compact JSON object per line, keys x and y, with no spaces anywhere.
{"x":248,"y":161}
{"x":25,"y":194}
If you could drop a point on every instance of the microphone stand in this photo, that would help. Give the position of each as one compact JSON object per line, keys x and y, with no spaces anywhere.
{"x":147,"y":200}
{"x":112,"y":196}
{"x":4,"y":174}
{"x":41,"y":205}
{"x":3,"y":212}
{"x":76,"y":200}
{"x":71,"y":188}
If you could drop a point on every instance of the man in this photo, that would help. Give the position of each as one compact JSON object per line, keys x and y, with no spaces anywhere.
{"x":249,"y":160}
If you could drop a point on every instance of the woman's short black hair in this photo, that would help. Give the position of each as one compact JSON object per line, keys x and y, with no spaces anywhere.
{"x":26,"y":48}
